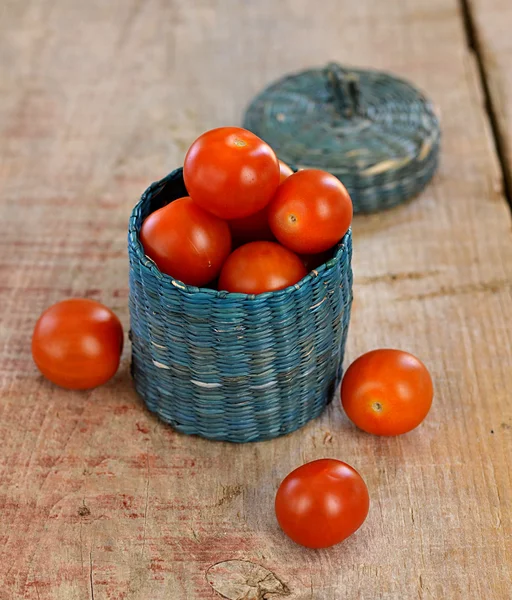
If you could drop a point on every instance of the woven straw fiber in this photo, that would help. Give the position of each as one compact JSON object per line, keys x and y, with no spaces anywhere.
{"x":231,"y":366}
{"x":377,"y":133}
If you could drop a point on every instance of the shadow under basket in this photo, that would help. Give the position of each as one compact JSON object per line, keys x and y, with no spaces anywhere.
{"x":235,"y":367}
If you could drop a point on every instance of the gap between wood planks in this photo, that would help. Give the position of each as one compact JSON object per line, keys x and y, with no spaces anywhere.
{"x":475,"y":46}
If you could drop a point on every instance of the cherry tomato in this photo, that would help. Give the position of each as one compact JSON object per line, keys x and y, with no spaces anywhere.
{"x":231,"y":172}
{"x":310,"y":212}
{"x":321,"y":503}
{"x":186,"y":242}
{"x":284,"y":171}
{"x":77,"y":344}
{"x":254,"y":228}
{"x":387,"y":392}
{"x":260,"y":267}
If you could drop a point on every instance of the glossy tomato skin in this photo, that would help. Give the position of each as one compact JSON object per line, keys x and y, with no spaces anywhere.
{"x":310,"y":212}
{"x":260,"y":267}
{"x":254,"y":228}
{"x":387,"y":392}
{"x":77,"y":344}
{"x":186,"y":242}
{"x":284,"y":171}
{"x":322,"y":503}
{"x":231,"y":172}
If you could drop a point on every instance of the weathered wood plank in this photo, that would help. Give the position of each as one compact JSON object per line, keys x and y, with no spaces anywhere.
{"x":490,"y":23}
{"x":98,"y":499}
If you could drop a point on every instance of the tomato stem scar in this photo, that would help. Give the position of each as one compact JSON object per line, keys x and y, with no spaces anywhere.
{"x":377,"y":406}
{"x":240,"y":143}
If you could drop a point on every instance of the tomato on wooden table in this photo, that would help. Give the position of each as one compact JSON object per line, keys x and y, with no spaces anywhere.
{"x":310,"y":212}
{"x":77,"y":343}
{"x":231,"y":172}
{"x":260,"y":267}
{"x":321,"y":503}
{"x":387,"y":392}
{"x":186,"y":242}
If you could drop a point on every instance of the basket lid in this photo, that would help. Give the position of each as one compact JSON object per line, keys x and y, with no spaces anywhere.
{"x":377,"y":133}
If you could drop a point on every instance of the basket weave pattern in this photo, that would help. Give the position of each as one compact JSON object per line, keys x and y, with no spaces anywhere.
{"x":231,"y":366}
{"x":377,"y":133}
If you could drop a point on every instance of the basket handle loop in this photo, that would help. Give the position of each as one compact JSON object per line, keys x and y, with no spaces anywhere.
{"x":344,"y":86}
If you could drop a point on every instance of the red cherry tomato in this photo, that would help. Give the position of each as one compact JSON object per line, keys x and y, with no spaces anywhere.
{"x":77,"y":344}
{"x":186,"y":242}
{"x":254,"y":228}
{"x":387,"y":392}
{"x":310,"y":212}
{"x":321,"y":503}
{"x":231,"y":172}
{"x":260,"y":267}
{"x":284,"y":171}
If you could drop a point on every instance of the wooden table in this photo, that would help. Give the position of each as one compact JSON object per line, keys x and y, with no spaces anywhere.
{"x":98,"y":499}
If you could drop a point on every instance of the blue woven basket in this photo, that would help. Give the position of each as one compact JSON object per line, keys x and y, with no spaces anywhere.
{"x":230,"y":366}
{"x":377,"y":133}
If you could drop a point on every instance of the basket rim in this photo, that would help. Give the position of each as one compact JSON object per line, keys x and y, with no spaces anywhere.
{"x":135,"y":246}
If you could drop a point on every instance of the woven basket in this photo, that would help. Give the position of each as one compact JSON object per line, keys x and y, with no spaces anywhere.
{"x":376,"y":132}
{"x":230,"y":366}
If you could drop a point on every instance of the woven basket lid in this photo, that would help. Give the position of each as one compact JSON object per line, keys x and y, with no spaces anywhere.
{"x":377,"y":133}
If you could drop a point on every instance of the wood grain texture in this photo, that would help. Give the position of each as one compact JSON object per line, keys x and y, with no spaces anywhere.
{"x":99,"y":500}
{"x":491,"y":21}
